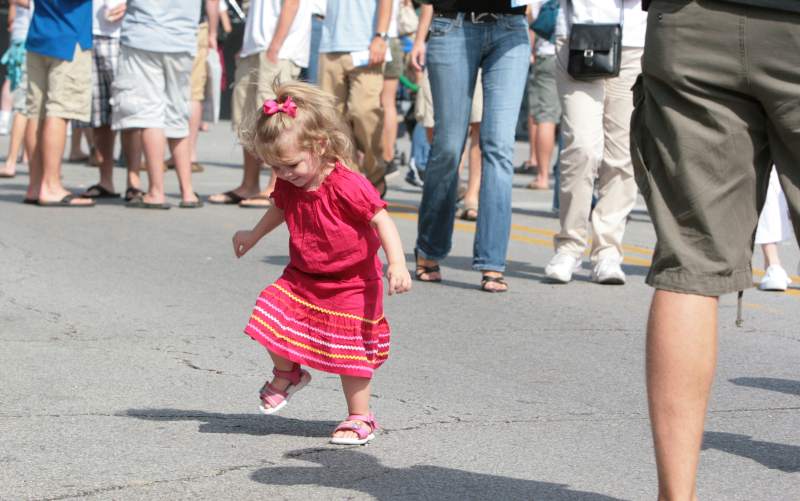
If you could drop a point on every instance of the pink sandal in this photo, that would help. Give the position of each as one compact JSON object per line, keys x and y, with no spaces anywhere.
{"x":273,"y":399}
{"x":355,"y":423}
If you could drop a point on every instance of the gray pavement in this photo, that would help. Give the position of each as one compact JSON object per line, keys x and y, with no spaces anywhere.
{"x":124,"y":373}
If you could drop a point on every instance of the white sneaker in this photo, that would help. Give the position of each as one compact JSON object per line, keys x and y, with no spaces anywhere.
{"x":561,"y":267}
{"x":775,"y":279}
{"x":608,"y":272}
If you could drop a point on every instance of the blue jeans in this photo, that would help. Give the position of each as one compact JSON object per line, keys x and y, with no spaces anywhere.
{"x":456,"y":49}
{"x":312,"y":72}
{"x":420,"y":149}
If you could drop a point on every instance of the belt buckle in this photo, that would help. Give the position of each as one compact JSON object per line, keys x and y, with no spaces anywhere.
{"x":477,"y":17}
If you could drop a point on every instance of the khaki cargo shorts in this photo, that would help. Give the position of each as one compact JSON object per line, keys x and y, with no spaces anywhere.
{"x":544,"y":105}
{"x":58,"y":88}
{"x":255,"y":76}
{"x":714,"y":109}
{"x":423,"y":105}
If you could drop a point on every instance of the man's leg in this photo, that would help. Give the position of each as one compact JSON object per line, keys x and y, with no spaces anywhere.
{"x":366,"y":117}
{"x":51,"y":142}
{"x":681,"y":357}
{"x":153,"y":141}
{"x":179,"y":147}
{"x":18,"y":126}
{"x":35,"y":160}
{"x":104,"y":146}
{"x":132,"y":148}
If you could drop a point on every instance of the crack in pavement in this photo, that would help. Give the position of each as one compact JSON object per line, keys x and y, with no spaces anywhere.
{"x":133,"y":485}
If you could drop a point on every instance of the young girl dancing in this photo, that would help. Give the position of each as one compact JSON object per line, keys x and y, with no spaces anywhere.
{"x":326,"y":310}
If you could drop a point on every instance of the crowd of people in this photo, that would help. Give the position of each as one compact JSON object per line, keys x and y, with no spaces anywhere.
{"x":617,"y":93}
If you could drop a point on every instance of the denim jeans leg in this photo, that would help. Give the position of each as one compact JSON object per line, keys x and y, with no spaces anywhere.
{"x":453,"y":55}
{"x":505,"y":70}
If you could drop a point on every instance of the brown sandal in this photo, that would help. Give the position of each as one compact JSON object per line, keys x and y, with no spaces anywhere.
{"x":497,"y":280}
{"x":425,"y":270}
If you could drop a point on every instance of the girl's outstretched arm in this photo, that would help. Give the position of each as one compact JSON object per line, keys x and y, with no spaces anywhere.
{"x":244,"y":240}
{"x":397,"y":273}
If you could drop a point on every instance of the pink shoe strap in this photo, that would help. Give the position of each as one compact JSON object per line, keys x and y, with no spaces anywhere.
{"x":294,"y":376}
{"x":271,"y":395}
{"x":352,"y":424}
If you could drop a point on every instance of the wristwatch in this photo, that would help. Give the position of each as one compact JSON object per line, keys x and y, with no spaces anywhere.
{"x":382,"y":34}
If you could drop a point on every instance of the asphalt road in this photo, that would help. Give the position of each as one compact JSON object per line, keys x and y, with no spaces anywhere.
{"x":124,"y":373}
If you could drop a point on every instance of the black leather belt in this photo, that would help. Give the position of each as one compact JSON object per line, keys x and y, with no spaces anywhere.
{"x":473,"y":17}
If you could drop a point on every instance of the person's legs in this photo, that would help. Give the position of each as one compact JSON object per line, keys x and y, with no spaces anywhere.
{"x":52,"y":137}
{"x":582,"y":132}
{"x":356,"y":392}
{"x":195,"y":120}
{"x":616,"y":185}
{"x":177,"y":73}
{"x":452,"y":65}
{"x":132,"y":148}
{"x":532,"y":149}
{"x":76,"y":153}
{"x":545,"y":144}
{"x":504,"y":69}
{"x":681,"y":357}
{"x":366,"y":117}
{"x":18,"y":126}
{"x":198,"y":77}
{"x":153,"y":142}
{"x":104,"y":146}
{"x":35,"y":160}
{"x":471,"y":197}
{"x":389,"y":104}
{"x":699,"y":144}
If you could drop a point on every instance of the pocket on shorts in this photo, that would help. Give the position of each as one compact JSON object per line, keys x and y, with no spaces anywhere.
{"x":124,"y":99}
{"x":441,"y":26}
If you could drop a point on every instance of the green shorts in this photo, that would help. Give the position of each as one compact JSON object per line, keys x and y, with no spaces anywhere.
{"x":394,"y":68}
{"x":714,"y":109}
{"x":543,"y":101}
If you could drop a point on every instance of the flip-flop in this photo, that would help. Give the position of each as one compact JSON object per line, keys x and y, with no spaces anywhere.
{"x":469,"y":214}
{"x":131,"y":193}
{"x":5,"y":175}
{"x":139,"y":203}
{"x":231,"y":198}
{"x":258,"y":202}
{"x":97,"y":191}
{"x":64,"y":202}
{"x":191,"y":205}
{"x":77,"y":160}
{"x":30,"y":201}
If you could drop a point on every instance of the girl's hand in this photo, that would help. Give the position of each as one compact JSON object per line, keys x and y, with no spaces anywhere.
{"x":399,"y":278}
{"x":243,"y":241}
{"x":114,"y":14}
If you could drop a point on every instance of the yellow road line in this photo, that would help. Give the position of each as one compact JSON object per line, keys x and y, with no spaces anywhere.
{"x":632,"y":260}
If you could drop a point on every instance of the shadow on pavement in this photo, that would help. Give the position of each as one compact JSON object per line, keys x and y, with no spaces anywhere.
{"x":353,"y":470}
{"x":245,"y":424}
{"x":788,"y":386}
{"x":783,"y":457}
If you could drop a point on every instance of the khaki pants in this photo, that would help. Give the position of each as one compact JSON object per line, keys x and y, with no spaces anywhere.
{"x":255,"y":76}
{"x":595,"y":128}
{"x":358,"y":97}
{"x":199,"y":70}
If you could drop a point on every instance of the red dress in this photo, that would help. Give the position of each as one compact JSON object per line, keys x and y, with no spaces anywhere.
{"x":326,"y":310}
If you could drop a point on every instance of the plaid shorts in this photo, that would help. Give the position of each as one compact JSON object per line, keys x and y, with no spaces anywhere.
{"x":105,"y":55}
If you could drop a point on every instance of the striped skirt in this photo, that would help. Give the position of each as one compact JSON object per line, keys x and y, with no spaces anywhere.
{"x":313,"y":334}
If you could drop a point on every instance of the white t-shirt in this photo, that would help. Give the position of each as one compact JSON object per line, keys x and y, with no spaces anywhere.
{"x":392,"y":32}
{"x":262,"y":19}
{"x":100,"y":24}
{"x":634,"y":19}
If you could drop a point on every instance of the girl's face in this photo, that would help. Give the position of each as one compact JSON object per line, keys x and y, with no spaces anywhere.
{"x":299,"y":168}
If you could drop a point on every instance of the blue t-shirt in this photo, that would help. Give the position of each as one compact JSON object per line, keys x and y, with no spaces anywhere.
{"x":58,"y":25}
{"x":349,"y":25}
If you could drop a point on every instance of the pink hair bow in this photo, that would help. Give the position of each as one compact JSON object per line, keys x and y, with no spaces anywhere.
{"x":288,"y":106}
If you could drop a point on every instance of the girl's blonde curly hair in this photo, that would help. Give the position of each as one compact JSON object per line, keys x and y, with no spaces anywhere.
{"x":317,"y":128}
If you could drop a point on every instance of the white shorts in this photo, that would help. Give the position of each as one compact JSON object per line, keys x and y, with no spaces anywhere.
{"x":151,"y":91}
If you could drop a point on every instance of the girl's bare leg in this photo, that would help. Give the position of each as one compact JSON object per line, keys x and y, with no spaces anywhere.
{"x":356,"y":392}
